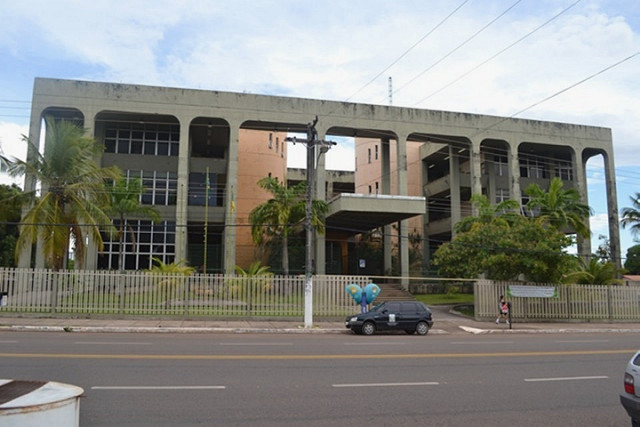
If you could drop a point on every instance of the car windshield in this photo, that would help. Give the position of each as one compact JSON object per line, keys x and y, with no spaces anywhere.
{"x":377,"y":307}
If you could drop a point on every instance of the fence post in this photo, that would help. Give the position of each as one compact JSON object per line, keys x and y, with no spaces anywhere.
{"x":121,"y":278}
{"x":53,"y":276}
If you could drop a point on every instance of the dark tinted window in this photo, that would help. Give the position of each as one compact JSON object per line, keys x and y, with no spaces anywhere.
{"x":393,"y":307}
{"x":409,"y":307}
{"x":636,"y":360}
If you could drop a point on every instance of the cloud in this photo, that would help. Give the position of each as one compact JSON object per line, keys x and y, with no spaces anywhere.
{"x":12,"y":146}
{"x":599,"y":224}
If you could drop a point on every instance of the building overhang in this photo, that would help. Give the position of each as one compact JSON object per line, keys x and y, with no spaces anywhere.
{"x":359,"y":213}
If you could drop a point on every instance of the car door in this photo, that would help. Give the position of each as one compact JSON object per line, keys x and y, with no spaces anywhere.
{"x":409,"y":315}
{"x":390,"y":316}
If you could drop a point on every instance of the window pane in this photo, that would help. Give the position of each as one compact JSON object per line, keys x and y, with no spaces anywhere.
{"x":163,"y":148}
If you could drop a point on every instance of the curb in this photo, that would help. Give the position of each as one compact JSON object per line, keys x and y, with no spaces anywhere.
{"x":478,"y":331}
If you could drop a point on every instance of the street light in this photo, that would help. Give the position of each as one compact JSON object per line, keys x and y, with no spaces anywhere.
{"x":310,"y":142}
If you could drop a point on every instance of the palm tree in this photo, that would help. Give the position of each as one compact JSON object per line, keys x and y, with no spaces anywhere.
{"x":505,"y":210}
{"x":560,"y":208}
{"x":72,"y":200}
{"x":124,"y":197}
{"x":277,"y":217}
{"x":594,"y":272}
{"x":631,"y":216}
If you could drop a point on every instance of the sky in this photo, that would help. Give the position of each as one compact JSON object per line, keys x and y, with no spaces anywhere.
{"x":574,"y":61}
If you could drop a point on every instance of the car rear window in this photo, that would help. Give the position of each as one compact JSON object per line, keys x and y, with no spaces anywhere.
{"x":636,"y":360}
{"x":409,"y":307}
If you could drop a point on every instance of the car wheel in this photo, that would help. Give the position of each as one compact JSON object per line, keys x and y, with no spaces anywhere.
{"x":635,"y":422}
{"x":368,"y":328}
{"x":422,"y":328}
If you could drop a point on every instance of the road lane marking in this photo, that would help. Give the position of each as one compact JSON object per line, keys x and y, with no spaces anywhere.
{"x":8,"y":342}
{"x":152,"y":387}
{"x":266,"y":344}
{"x":597,"y":377}
{"x":384,"y":384}
{"x":481,"y":342}
{"x":110,"y":342}
{"x":374,"y":343}
{"x":580,"y":341}
{"x":313,"y":356}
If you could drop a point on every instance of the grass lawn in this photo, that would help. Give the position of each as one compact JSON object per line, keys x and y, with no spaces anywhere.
{"x":436,"y":299}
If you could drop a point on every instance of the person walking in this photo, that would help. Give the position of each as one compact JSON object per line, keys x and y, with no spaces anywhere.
{"x":503,"y":310}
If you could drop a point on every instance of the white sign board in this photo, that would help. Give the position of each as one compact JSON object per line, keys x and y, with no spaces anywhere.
{"x":532,"y":291}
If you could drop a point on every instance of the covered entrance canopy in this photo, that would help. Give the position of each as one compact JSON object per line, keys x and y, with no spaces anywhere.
{"x":358,"y":213}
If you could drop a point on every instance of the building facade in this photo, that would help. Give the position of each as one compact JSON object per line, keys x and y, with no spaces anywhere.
{"x":200,"y":154}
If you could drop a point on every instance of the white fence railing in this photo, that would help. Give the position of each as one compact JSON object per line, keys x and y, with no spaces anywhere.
{"x":573,"y":302}
{"x":144,"y":293}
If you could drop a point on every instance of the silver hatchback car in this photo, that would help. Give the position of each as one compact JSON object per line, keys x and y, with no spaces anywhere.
{"x":630,"y":399}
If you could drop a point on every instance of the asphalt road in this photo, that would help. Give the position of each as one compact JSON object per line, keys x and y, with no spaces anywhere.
{"x":332,"y":379}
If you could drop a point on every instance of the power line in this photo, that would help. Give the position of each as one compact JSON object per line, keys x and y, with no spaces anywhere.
{"x":498,"y":53}
{"x":451,"y":52}
{"x":408,"y":50}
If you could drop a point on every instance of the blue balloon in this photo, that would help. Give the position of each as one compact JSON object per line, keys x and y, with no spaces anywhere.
{"x":372,"y":291}
{"x":355,"y":291}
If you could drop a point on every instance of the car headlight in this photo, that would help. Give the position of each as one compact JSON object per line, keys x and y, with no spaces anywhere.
{"x":353,"y":319}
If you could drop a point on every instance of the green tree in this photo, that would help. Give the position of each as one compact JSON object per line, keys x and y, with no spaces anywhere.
{"x":169,"y":282}
{"x":124,"y":203}
{"x":632,"y":264}
{"x":279,"y":216}
{"x":593,"y":272}
{"x":504,"y":251}
{"x":507,"y":210}
{"x":11,"y":200}
{"x":558,"y":207}
{"x":631,"y":216}
{"x":70,"y":208}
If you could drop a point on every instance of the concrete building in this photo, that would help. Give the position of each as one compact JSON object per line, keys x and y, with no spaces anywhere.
{"x":415,"y":169}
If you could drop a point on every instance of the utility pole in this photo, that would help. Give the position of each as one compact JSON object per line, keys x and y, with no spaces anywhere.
{"x":311,"y":142}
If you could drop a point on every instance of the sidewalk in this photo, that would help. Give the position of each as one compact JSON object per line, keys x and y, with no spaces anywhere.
{"x":446,"y":322}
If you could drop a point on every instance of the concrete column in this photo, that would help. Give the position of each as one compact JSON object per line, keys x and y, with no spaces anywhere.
{"x":35,"y":130}
{"x":91,"y":250}
{"x":454,"y":184}
{"x":320,"y":255}
{"x":612,"y":207}
{"x":475,"y":170}
{"x":385,"y":173}
{"x":514,"y":173}
{"x":230,"y":199}
{"x":403,"y":190}
{"x":579,"y":166}
{"x":182,"y":194}
{"x":426,"y":252}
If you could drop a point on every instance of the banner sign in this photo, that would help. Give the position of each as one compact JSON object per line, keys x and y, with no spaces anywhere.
{"x":532,"y":291}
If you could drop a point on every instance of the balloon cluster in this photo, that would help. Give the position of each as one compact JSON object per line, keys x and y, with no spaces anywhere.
{"x":371,"y":291}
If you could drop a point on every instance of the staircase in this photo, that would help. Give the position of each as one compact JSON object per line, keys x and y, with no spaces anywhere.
{"x":392,"y":292}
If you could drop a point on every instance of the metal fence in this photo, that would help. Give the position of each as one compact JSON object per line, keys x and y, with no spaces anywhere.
{"x":572,"y":302}
{"x":144,"y":293}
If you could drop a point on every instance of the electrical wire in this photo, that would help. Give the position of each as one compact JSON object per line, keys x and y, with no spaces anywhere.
{"x":395,"y":61}
{"x":491,"y":58}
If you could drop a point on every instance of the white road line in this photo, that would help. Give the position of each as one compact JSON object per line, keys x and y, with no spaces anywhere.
{"x":257,"y":343}
{"x":192,"y":387}
{"x":581,"y":341}
{"x":383,"y":384}
{"x":481,"y":342}
{"x":598,"y":377}
{"x":374,"y":343}
{"x":110,"y":342}
{"x":8,"y":342}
